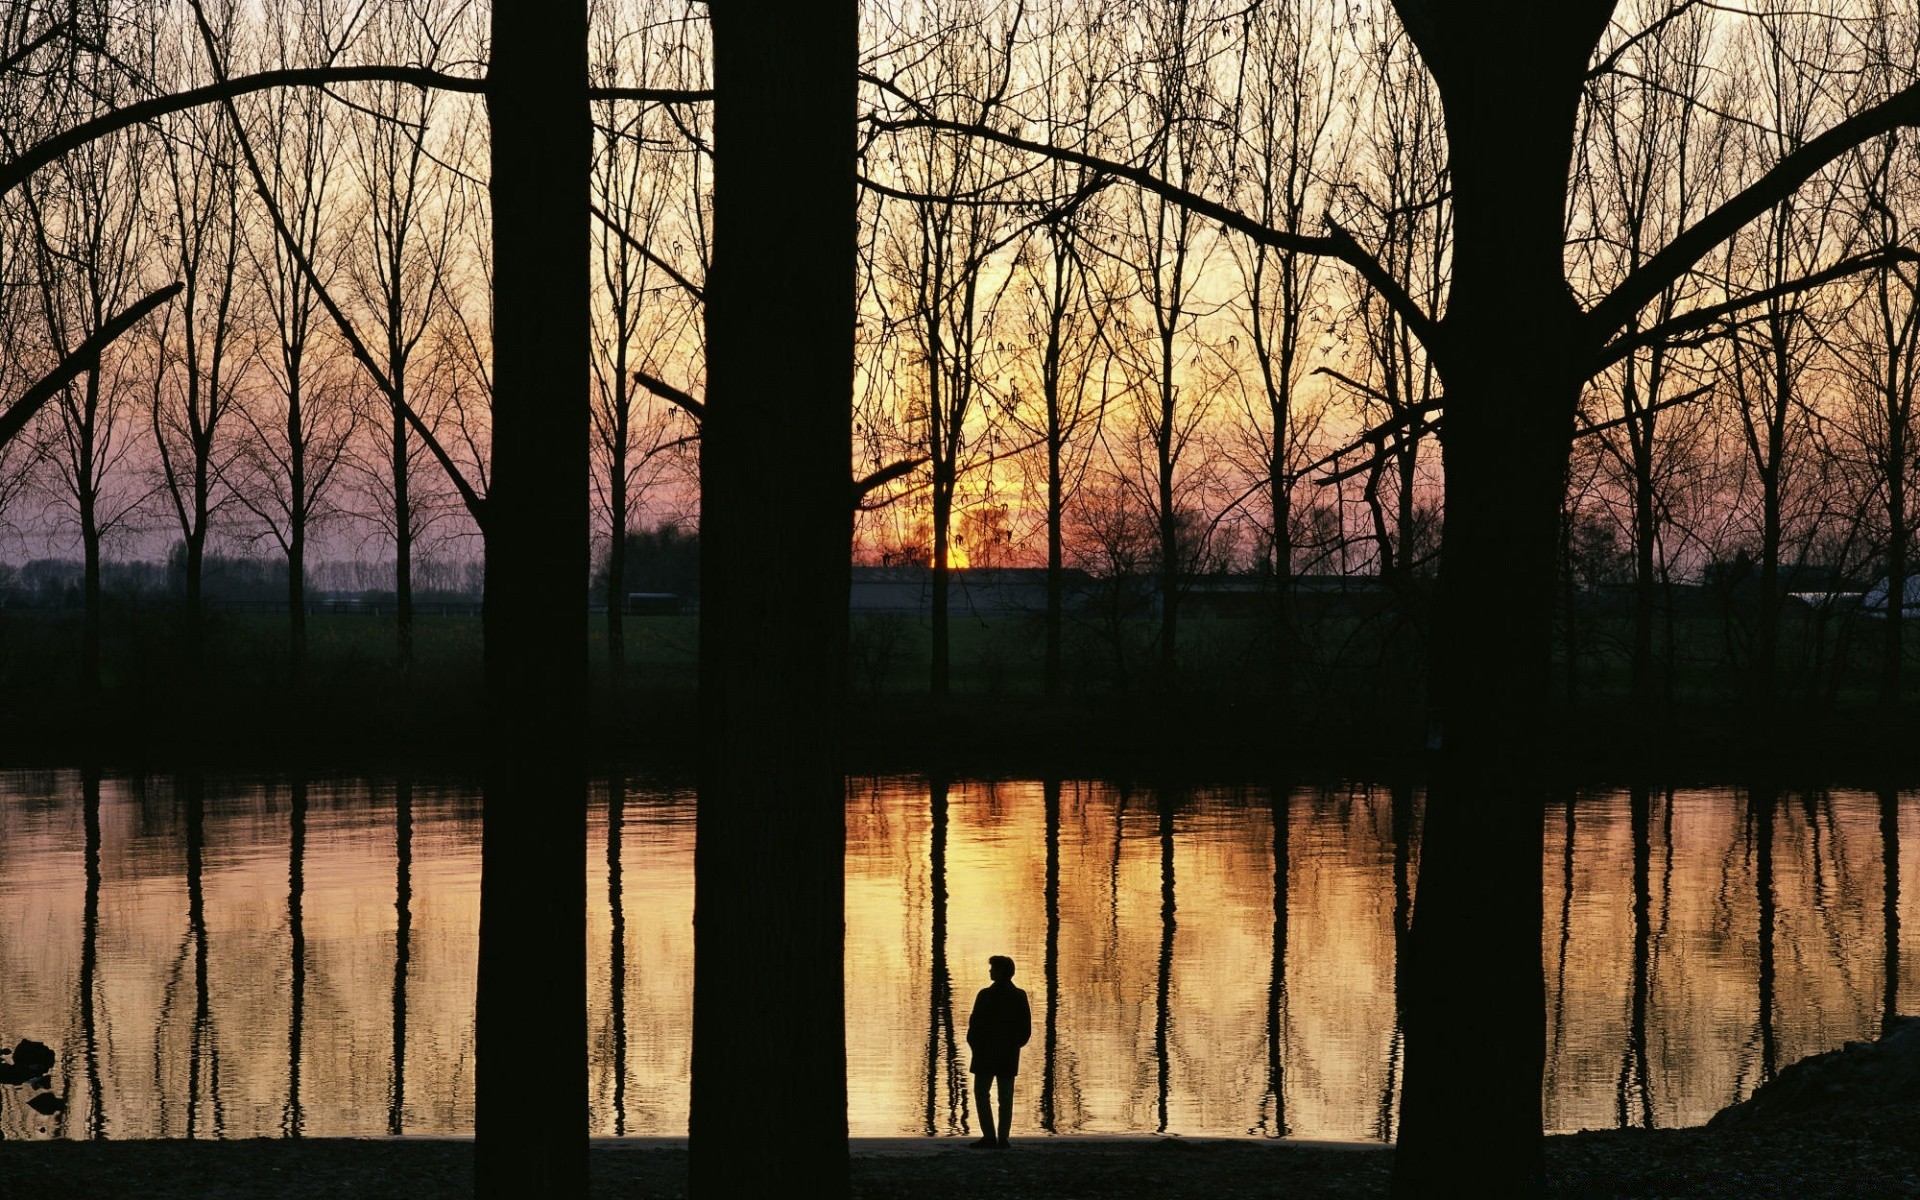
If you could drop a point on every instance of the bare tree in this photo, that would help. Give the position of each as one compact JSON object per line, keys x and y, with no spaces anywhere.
{"x":1648,"y":172}
{"x":201,"y":349}
{"x":1765,"y":363}
{"x":1173,"y":246}
{"x":299,"y":429}
{"x":1401,"y":204}
{"x":1289,"y":87}
{"x":943,"y":223}
{"x":1065,"y":291}
{"x":91,"y":233}
{"x":1877,"y":349}
{"x":410,"y":221}
{"x":648,"y":308}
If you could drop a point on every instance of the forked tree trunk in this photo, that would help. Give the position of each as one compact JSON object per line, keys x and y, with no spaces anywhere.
{"x":768,"y":1009}
{"x":530,"y":1103}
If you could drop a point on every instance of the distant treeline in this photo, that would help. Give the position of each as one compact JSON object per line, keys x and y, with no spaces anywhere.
{"x":59,"y":583}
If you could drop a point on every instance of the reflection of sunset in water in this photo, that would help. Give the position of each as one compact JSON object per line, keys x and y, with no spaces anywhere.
{"x":1170,"y":991}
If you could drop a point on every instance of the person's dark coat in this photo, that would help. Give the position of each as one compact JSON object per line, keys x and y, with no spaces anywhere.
{"x":1001,"y":1023}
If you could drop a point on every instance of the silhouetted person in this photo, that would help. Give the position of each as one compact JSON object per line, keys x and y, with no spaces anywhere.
{"x":1001,"y":1023}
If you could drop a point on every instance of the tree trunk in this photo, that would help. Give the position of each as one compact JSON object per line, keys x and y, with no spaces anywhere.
{"x":1892,"y":649}
{"x":1766,"y":656}
{"x":1645,"y":583}
{"x":1511,"y":360}
{"x":1056,"y":549}
{"x":1169,"y":526}
{"x":942,"y":580}
{"x":196,"y":616}
{"x":617,"y":577}
{"x":403,"y":537}
{"x":774,"y":451}
{"x":1285,"y":649}
{"x":88,"y":495}
{"x":530,"y":1109}
{"x":296,"y":538}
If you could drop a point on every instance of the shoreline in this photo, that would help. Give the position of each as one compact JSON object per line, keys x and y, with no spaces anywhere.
{"x":1855,"y":1153}
{"x":1195,"y":745}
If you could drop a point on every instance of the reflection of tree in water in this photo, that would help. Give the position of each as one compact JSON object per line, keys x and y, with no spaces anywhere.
{"x":90,"y":951}
{"x":1890,"y":907}
{"x":1634,"y":1090}
{"x":617,"y":954}
{"x":1565,"y":939}
{"x":1403,"y":833}
{"x":1835,"y":890}
{"x":1050,"y":789}
{"x":1162,"y":1016}
{"x":402,"y":946}
{"x":1760,"y":814}
{"x":1280,"y":802}
{"x":292,"y":1117}
{"x":202,"y":1044}
{"x":941,"y":1049}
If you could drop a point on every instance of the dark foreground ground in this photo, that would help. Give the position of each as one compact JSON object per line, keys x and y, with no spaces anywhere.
{"x":1871,"y":1154}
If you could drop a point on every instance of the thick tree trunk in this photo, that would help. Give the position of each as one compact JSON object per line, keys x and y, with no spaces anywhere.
{"x":530,"y":1112}
{"x":768,"y":889}
{"x":1512,"y":360}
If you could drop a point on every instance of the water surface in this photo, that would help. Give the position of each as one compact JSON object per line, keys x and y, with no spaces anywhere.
{"x":245,"y":956}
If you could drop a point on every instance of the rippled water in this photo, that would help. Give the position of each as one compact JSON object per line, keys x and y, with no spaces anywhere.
{"x":258,"y":956}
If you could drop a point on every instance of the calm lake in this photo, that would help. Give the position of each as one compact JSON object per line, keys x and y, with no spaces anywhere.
{"x":247,"y":956}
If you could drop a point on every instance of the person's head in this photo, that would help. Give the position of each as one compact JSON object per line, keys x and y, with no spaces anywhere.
{"x":1000,"y":968}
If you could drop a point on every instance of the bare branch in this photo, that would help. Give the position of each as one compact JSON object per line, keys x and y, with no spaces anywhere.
{"x":1680,"y":9}
{"x":474,"y":501}
{"x":652,"y":95}
{"x":639,"y":247}
{"x":1678,"y":256}
{"x":672,"y":395}
{"x":1336,"y":244}
{"x":18,"y":168}
{"x":864,"y":487}
{"x":1629,"y":418}
{"x":1700,"y":318}
{"x":84,"y":356}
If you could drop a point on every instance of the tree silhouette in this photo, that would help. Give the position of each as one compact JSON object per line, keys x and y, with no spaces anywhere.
{"x":533,"y":899}
{"x":775,"y":544}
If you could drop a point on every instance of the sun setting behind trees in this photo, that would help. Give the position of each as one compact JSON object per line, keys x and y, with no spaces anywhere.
{"x":1183,"y":298}
{"x":1038,"y":341}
